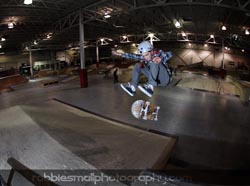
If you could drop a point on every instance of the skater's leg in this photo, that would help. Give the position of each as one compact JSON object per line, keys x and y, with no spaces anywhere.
{"x":158,"y":77}
{"x":163,"y":76}
{"x":154,"y":71}
{"x":137,"y":71}
{"x":152,"y":74}
{"x":130,"y":88}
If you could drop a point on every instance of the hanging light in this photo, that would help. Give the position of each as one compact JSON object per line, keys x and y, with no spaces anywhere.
{"x":183,"y":34}
{"x":27,"y":2}
{"x":107,"y":16}
{"x":124,"y":39}
{"x":223,"y":27}
{"x":10,"y":25}
{"x":151,"y":35}
{"x":177,"y":24}
{"x":247,"y":32}
{"x":103,"y":42}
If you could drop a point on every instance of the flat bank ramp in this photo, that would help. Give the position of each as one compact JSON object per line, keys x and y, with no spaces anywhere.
{"x":102,"y":143}
{"x":52,"y":135}
{"x":24,"y":140}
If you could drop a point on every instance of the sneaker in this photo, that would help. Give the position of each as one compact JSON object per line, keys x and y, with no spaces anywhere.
{"x":147,"y":89}
{"x":130,"y":89}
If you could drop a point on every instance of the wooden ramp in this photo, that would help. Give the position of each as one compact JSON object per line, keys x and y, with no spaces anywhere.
{"x":6,"y":82}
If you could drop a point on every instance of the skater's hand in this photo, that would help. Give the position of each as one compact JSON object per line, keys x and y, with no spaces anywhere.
{"x":156,"y":60}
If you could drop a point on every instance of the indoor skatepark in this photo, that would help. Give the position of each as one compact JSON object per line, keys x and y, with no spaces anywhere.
{"x":68,"y":115}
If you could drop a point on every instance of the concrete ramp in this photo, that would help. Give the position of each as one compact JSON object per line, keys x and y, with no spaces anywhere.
{"x":53,"y":136}
{"x":229,"y":87}
{"x":205,"y":84}
{"x":22,"y":139}
{"x":100,"y":142}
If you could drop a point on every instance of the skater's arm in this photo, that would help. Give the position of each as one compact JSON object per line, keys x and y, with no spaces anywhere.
{"x":165,"y":56}
{"x":132,"y":56}
{"x":128,"y":55}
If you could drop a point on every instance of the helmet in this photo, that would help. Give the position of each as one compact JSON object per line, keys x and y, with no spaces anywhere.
{"x":144,"y":47}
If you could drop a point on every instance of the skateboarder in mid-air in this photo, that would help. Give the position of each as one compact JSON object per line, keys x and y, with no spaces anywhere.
{"x":153,"y":65}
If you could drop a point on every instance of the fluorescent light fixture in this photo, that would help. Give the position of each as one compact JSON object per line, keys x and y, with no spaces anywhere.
{"x":27,"y":2}
{"x":103,"y":42}
{"x":247,"y":32}
{"x":151,"y":35}
{"x":124,"y":39}
{"x":183,"y":34}
{"x":107,"y":16}
{"x":10,"y":25}
{"x":223,"y":28}
{"x":177,"y":24}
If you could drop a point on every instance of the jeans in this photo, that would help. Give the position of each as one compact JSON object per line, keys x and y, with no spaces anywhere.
{"x":157,"y":74}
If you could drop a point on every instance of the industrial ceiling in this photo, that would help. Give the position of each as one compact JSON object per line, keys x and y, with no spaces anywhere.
{"x":55,"y":23}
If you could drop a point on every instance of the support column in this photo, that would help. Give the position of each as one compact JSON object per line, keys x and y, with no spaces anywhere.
{"x":83,"y":70}
{"x":52,"y":58}
{"x":223,"y":54}
{"x":97,"y":55}
{"x":31,"y":63}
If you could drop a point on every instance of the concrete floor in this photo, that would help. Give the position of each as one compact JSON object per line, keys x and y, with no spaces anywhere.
{"x":213,"y":131}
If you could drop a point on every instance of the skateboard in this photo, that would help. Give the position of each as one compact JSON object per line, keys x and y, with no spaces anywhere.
{"x":145,"y":110}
